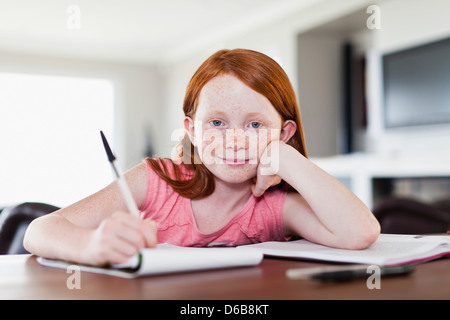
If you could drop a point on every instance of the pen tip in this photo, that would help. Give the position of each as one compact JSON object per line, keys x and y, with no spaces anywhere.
{"x":109,"y":153}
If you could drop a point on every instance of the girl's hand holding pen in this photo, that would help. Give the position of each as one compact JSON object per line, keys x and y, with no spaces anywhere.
{"x":119,"y":237}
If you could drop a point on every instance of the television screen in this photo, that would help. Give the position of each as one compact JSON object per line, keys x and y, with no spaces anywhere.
{"x":417,"y":85}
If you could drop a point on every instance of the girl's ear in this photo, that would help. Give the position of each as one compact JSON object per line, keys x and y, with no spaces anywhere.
{"x":288,"y":130}
{"x":189,"y":127}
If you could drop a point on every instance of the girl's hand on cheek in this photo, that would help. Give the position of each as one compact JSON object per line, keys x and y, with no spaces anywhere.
{"x":266,"y":173}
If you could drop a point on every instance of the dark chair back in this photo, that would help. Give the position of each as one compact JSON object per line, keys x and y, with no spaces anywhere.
{"x":407,"y":216}
{"x":14,"y":222}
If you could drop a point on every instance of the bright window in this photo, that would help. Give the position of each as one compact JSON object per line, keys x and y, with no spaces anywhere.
{"x":50,"y":145}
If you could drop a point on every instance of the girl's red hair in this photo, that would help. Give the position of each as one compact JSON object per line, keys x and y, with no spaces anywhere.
{"x":259,"y":72}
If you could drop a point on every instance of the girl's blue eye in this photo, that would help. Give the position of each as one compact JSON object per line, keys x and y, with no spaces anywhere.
{"x":216,"y":123}
{"x":255,"y":125}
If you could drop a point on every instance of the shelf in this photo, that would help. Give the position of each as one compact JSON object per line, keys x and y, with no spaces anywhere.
{"x":364,"y":173}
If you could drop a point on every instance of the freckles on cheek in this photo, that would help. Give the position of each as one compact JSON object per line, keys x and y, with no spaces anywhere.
{"x":212,"y":143}
{"x":265,"y":137}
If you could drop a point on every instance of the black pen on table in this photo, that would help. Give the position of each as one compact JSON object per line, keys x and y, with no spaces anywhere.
{"x":345,"y":273}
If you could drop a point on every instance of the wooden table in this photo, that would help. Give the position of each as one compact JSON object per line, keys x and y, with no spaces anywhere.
{"x":21,"y":277}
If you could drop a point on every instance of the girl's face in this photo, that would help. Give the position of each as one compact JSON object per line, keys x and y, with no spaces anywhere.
{"x":232,"y":126}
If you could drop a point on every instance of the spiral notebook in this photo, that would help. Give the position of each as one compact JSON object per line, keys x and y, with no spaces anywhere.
{"x":170,"y":259}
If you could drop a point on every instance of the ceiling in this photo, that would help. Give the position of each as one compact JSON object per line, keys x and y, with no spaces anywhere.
{"x":144,"y":31}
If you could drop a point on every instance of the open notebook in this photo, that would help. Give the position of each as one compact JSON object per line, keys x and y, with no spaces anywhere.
{"x":169,"y":259}
{"x":389,"y":249}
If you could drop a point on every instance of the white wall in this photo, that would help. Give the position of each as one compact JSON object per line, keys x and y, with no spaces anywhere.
{"x":412,"y":22}
{"x":137,"y":95}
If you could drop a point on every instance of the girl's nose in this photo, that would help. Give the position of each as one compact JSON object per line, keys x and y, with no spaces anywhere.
{"x":235,"y":139}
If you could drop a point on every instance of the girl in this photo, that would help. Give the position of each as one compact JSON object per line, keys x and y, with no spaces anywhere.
{"x":241,"y":176}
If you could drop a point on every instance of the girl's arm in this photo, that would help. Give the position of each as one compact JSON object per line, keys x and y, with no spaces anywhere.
{"x":96,"y":230}
{"x":323,"y":211}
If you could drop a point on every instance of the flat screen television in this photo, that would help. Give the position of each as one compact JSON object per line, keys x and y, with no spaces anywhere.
{"x":417,"y":85}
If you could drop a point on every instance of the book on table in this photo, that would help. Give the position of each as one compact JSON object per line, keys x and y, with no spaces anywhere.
{"x":388,"y":250}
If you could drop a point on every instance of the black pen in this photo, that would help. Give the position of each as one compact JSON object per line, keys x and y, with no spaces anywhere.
{"x":345,"y":273}
{"x":128,"y":197}
{"x":135,"y":261}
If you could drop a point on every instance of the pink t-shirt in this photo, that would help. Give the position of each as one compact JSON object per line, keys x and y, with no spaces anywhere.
{"x":259,"y":220}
